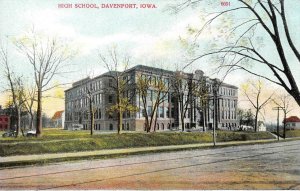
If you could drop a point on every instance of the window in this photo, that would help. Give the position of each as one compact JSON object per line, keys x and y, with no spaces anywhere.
{"x":143,"y":112}
{"x":149,"y":94}
{"x":123,"y":126}
{"x":172,"y":112}
{"x":162,"y":126}
{"x":167,"y":82}
{"x":96,"y":115}
{"x":149,"y":110}
{"x":99,"y":113}
{"x":127,"y":126}
{"x":110,"y":99}
{"x":111,"y":127}
{"x":161,"y":112}
{"x":167,"y":112}
{"x":157,"y":126}
{"x":172,"y":99}
{"x":154,"y":80}
{"x":110,"y":81}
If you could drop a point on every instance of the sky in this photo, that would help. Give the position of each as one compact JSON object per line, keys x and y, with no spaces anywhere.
{"x":149,"y":36}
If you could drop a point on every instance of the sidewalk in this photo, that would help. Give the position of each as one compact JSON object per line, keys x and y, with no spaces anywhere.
{"x":21,"y":160}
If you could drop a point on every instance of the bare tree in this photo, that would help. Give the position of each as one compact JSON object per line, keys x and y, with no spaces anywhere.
{"x":15,"y":86}
{"x":29,"y":100}
{"x":47,"y":57}
{"x":284,"y":102}
{"x":152,"y":89}
{"x":266,"y":20}
{"x":119,"y":84}
{"x":187,"y":90}
{"x":253,"y":91}
{"x":89,"y":94}
{"x":201,"y":92}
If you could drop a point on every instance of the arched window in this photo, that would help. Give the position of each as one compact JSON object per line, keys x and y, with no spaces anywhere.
{"x":111,"y":127}
{"x":123,"y":126}
{"x":169,"y":126}
{"x":128,"y":126}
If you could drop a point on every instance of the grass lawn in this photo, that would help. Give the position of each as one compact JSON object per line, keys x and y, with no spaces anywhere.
{"x":57,"y":140}
{"x":293,"y":133}
{"x":289,"y":133}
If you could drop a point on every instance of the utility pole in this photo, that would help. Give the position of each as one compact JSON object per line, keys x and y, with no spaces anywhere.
{"x":215,"y":126}
{"x":278,"y":108}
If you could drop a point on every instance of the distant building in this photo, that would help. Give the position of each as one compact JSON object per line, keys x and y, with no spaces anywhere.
{"x":58,"y":119}
{"x":261,"y":126}
{"x":77,"y":103}
{"x":4,"y":122}
{"x":292,"y":122}
{"x":7,"y":119}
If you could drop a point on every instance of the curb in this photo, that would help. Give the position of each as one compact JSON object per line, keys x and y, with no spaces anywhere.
{"x":114,"y":153}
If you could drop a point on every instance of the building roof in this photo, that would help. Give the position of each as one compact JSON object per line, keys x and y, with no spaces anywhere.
{"x":291,"y":119}
{"x":57,"y":115}
{"x":138,"y":68}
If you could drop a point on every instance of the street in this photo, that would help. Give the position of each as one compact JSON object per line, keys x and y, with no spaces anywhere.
{"x":262,"y":166}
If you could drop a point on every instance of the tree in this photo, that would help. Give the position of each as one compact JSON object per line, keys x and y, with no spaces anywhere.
{"x":253,"y":91}
{"x":152,"y":89}
{"x":29,"y":100}
{"x":187,"y":90}
{"x":120,"y":85}
{"x":246,"y":117}
{"x":47,"y":57}
{"x":242,"y":42}
{"x":15,"y":87}
{"x":89,"y":94}
{"x":283,"y":101}
{"x":201,"y":92}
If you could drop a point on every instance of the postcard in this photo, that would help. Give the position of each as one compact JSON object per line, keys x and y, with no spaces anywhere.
{"x":149,"y":95}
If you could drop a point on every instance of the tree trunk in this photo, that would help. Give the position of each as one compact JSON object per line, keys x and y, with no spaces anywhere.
{"x":296,"y":95}
{"x":255,"y":122}
{"x":120,"y":121}
{"x":31,"y":121}
{"x":39,"y":114}
{"x":18,"y":130}
{"x":205,"y":119}
{"x":155,"y":122}
{"x":91,"y":119}
{"x":284,"y":125}
{"x":182,"y":123}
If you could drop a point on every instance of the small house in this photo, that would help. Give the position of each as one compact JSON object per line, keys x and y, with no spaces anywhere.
{"x":292,"y":123}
